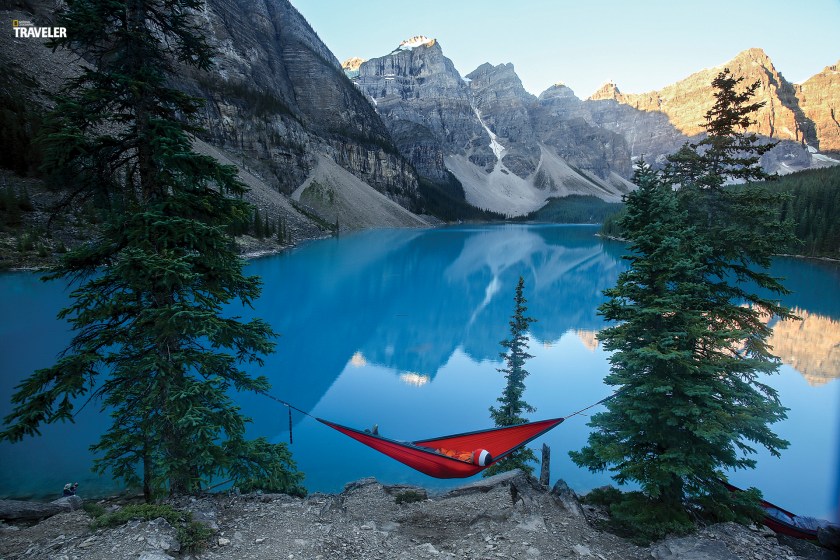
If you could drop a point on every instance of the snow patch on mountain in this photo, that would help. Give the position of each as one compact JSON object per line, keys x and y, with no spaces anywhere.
{"x":498,"y":149}
{"x":414,"y":42}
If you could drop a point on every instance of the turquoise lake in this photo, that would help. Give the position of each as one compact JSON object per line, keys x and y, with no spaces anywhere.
{"x":401,"y":328}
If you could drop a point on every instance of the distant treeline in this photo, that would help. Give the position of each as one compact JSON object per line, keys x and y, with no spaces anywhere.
{"x":814,"y":207}
{"x":447,"y":201}
{"x":575,"y":209}
{"x":813,"y":204}
{"x":610,"y":227}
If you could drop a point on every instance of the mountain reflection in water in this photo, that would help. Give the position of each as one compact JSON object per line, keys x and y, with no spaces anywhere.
{"x":811,"y":346}
{"x":402,"y":328}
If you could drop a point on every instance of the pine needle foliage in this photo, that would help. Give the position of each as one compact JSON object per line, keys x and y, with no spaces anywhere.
{"x":152,"y":342}
{"x":691,"y":328}
{"x":512,"y":405}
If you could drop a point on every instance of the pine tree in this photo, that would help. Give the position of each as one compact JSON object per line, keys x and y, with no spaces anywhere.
{"x":653,"y":432}
{"x":512,"y":405}
{"x":268,"y":229}
{"x":693,"y":335}
{"x":151,"y":341}
{"x":258,"y":224}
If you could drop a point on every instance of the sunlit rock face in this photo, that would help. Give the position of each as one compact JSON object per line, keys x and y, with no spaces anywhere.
{"x":798,"y":116}
{"x":588,"y":338}
{"x":351,"y":66}
{"x":811,"y":346}
{"x":687,"y":101}
{"x":819,"y":97}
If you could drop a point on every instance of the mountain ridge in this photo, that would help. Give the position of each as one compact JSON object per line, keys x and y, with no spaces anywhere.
{"x":658,"y":122}
{"x":278,"y":101}
{"x":487,"y":131}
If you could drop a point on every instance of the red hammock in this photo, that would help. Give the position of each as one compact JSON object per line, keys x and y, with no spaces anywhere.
{"x":421,"y":455}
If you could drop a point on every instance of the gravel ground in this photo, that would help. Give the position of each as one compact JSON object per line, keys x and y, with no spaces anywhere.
{"x":507,"y":516}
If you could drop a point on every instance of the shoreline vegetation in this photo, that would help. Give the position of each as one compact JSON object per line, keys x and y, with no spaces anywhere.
{"x":811,"y":202}
{"x":33,"y":238}
{"x":251,"y":252}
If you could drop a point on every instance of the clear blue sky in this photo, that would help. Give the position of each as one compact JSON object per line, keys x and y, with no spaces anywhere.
{"x":641,"y":45}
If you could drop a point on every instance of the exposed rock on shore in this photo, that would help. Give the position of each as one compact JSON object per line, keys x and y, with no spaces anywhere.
{"x":507,"y":516}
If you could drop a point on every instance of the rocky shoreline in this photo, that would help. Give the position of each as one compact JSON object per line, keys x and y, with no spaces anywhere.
{"x":506,"y":516}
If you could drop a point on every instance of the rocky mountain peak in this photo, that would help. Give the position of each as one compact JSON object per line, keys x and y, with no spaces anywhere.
{"x":754,"y":55}
{"x":352,"y":64}
{"x":416,"y":41}
{"x":656,"y":123}
{"x":502,"y":80}
{"x":557,"y":91}
{"x":607,"y":91}
{"x":486,"y":132}
{"x":487,"y":70}
{"x":424,"y":102}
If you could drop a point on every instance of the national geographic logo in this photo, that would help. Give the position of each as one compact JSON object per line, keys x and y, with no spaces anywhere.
{"x":26,"y":30}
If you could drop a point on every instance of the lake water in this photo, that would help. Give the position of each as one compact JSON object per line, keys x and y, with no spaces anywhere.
{"x":402,"y":327}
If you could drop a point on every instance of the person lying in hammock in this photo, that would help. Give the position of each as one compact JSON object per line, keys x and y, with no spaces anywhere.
{"x":479,"y":457}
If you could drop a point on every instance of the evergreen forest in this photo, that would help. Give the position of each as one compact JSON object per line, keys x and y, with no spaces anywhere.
{"x":811,"y":201}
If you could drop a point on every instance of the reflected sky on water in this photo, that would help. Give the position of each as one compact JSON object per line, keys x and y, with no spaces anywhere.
{"x":402,"y":327}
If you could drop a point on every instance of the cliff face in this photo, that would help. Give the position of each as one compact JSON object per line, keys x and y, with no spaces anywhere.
{"x":506,"y":149}
{"x":819,"y":98}
{"x":503,"y":104}
{"x":563,"y":122}
{"x":687,"y":101}
{"x":658,"y":122}
{"x":279,"y":97}
{"x":276,"y":101}
{"x":425,"y":104}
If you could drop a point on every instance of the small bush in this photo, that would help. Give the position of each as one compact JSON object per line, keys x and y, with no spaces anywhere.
{"x":93,"y":509}
{"x":25,"y":243}
{"x":192,"y":535}
{"x":721,"y":505}
{"x":642,"y":520}
{"x":409,"y":497}
{"x":604,"y":496}
{"x":144,"y":512}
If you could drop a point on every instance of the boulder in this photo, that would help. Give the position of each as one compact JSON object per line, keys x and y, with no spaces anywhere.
{"x":21,"y":510}
{"x":567,"y":497}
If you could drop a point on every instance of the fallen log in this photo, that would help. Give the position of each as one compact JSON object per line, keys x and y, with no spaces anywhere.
{"x":21,"y":510}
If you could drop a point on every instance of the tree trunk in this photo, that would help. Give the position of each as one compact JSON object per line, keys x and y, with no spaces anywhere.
{"x":147,"y":473}
{"x":545,"y":467}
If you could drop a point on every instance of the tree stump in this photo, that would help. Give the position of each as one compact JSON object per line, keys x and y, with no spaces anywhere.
{"x":545,"y":467}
